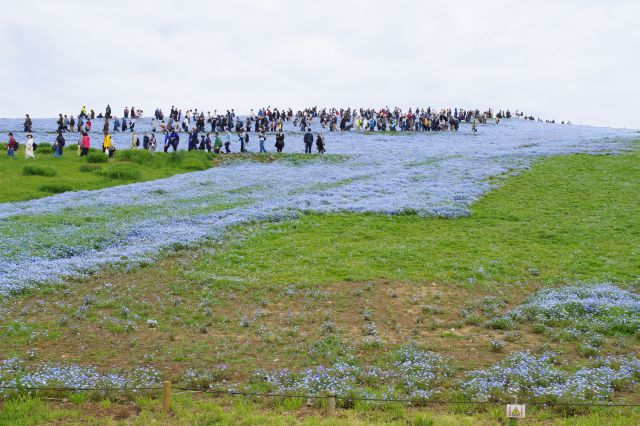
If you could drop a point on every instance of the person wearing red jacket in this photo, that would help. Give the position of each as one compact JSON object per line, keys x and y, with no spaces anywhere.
{"x":86,"y":144}
{"x":12,"y":146}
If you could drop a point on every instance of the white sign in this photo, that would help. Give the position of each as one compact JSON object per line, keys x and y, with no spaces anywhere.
{"x":515,"y":411}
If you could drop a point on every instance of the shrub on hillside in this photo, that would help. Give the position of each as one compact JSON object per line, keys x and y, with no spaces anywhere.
{"x":55,"y":188}
{"x":33,"y":170}
{"x":136,"y":156}
{"x":122,"y":172}
{"x":194,"y":165}
{"x":44,"y":149}
{"x":88,"y":168}
{"x":97,"y":158}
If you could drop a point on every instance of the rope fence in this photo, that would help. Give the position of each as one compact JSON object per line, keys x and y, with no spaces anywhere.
{"x":330,"y":397}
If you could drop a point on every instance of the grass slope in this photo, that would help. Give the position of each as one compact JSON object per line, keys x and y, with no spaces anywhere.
{"x":264,"y":300}
{"x":569,"y":218}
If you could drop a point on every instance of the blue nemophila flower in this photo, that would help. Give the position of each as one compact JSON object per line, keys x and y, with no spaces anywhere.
{"x":603,"y":308}
{"x":13,"y":373}
{"x":528,"y":376}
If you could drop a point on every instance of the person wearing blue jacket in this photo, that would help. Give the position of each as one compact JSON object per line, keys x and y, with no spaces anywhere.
{"x":175,"y":140}
{"x":167,"y":141}
{"x":193,"y":140}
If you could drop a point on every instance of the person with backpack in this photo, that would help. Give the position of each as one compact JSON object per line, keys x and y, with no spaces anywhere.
{"x":58,"y":145}
{"x":145,"y":141}
{"x":308,"y":141}
{"x":31,"y":147}
{"x":12,"y":146}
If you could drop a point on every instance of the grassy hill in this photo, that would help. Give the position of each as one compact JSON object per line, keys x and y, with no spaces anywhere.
{"x":329,"y":288}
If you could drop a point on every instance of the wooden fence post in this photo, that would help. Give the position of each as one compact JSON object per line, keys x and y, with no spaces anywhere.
{"x":331,"y":404}
{"x":166,"y":396}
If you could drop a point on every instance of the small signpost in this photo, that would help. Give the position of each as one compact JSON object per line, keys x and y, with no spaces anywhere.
{"x":516,"y":411}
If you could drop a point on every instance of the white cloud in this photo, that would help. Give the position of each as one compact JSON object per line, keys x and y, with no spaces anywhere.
{"x":571,"y":60}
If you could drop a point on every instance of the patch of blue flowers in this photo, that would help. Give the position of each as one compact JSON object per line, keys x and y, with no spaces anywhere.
{"x":601,"y":308}
{"x":542,"y":378}
{"x":13,"y":373}
{"x":414,"y":372}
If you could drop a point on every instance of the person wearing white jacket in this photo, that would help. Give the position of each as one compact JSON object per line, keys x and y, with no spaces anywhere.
{"x":28,"y":152}
{"x":135,"y":142}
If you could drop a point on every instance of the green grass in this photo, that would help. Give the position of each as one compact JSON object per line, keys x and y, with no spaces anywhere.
{"x":568,"y":219}
{"x":540,"y":226}
{"x":207,"y":410}
{"x":46,"y":174}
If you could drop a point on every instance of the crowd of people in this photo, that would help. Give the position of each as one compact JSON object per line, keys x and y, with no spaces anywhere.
{"x":215,"y":132}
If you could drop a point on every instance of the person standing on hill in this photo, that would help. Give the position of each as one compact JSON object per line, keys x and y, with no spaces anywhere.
{"x":58,"y":145}
{"x":107,"y":112}
{"x":167,"y":141}
{"x":28,"y":152}
{"x":279,"y":141}
{"x":320,"y":143}
{"x":135,"y":142}
{"x":152,"y":142}
{"x":217,"y":144}
{"x":126,"y":112}
{"x":12,"y":146}
{"x":27,"y":123}
{"x":193,"y":140}
{"x":227,"y":142}
{"x":106,"y":142}
{"x":308,"y":141}
{"x":262,"y":138}
{"x":86,"y":144}
{"x":207,"y":142}
{"x":72,"y":123}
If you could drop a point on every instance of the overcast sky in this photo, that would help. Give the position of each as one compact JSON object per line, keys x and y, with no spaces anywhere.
{"x":568,"y":60}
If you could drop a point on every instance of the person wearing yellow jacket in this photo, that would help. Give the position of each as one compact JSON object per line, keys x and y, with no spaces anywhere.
{"x":106,"y":144}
